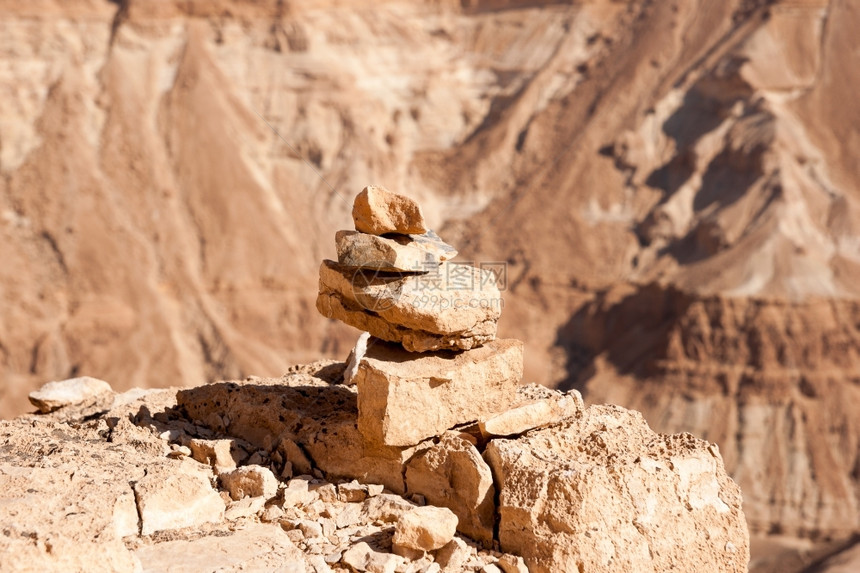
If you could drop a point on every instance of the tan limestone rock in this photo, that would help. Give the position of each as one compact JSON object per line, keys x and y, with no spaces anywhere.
{"x":603,"y":491}
{"x":168,"y":499}
{"x":532,"y":415}
{"x":254,"y":547}
{"x":216,"y":453}
{"x":318,"y":416}
{"x":455,"y":307}
{"x":394,"y":253}
{"x":425,"y":528}
{"x":244,"y":508}
{"x":453,"y":555}
{"x":404,"y":397}
{"x":71,"y":392}
{"x":377,"y":211}
{"x":453,"y":474}
{"x":250,"y":481}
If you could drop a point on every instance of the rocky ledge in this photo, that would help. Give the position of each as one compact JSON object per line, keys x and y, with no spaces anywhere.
{"x":275,"y":474}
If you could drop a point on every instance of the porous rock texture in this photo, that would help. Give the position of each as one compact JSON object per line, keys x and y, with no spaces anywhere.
{"x":597,"y":490}
{"x":598,"y":493}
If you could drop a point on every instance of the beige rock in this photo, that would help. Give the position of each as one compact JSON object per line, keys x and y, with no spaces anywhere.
{"x":244,"y":508}
{"x":254,"y":547}
{"x":295,"y":455}
{"x":71,"y":392}
{"x":216,"y":453}
{"x":385,"y":507}
{"x":355,"y":357}
{"x":603,"y":491}
{"x":125,"y":517}
{"x":455,"y":307}
{"x":532,"y":415}
{"x":425,"y":528}
{"x":296,"y":493}
{"x":491,"y":568}
{"x":453,"y":555}
{"x":319,"y":416}
{"x":327,"y":492}
{"x":171,"y":500}
{"x":377,"y":211}
{"x":512,"y":564}
{"x":361,"y":557}
{"x":394,"y":253}
{"x":404,"y":398}
{"x":453,"y":474}
{"x":250,"y":481}
{"x":351,"y":492}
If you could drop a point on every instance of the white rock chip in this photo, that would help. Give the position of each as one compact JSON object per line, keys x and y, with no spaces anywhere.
{"x":55,"y":395}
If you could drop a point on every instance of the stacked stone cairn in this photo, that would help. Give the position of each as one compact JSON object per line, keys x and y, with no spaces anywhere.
{"x":429,"y":359}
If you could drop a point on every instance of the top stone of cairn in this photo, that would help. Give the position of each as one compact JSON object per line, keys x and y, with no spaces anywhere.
{"x":377,"y":211}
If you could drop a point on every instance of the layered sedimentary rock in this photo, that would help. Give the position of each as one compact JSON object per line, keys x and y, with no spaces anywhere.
{"x":453,"y":306}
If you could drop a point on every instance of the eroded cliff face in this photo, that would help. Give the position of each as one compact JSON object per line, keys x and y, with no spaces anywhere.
{"x":155,"y":230}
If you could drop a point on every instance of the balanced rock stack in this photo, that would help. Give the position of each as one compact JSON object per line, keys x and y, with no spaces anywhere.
{"x":430,"y":359}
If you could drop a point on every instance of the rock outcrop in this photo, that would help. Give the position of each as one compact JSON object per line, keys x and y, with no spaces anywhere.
{"x":566,"y":488}
{"x":549,"y":498}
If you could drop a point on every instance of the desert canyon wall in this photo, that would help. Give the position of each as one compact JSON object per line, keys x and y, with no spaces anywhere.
{"x":672,"y":186}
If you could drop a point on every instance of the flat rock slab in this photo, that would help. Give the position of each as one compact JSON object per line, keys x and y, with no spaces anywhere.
{"x":392,"y":253}
{"x":377,"y":211}
{"x":533,"y":414}
{"x":603,"y":492}
{"x":71,"y":392}
{"x":455,"y":307}
{"x":405,"y":397}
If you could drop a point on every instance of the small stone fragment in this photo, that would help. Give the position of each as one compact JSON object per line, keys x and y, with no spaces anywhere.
{"x":425,"y":528}
{"x":271,"y":514}
{"x":296,"y":493}
{"x":377,"y":211}
{"x":167,"y":500}
{"x":295,"y":455}
{"x":244,"y":508}
{"x":250,"y":481}
{"x":355,"y":357}
{"x":385,"y":507}
{"x":526,"y":417}
{"x":216,"y":453}
{"x":453,"y":555}
{"x":327,"y":492}
{"x":512,"y":564}
{"x":351,"y":492}
{"x":350,"y":515}
{"x":74,"y":391}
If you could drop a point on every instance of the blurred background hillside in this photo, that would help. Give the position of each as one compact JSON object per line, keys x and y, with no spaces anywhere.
{"x":673,"y":187}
